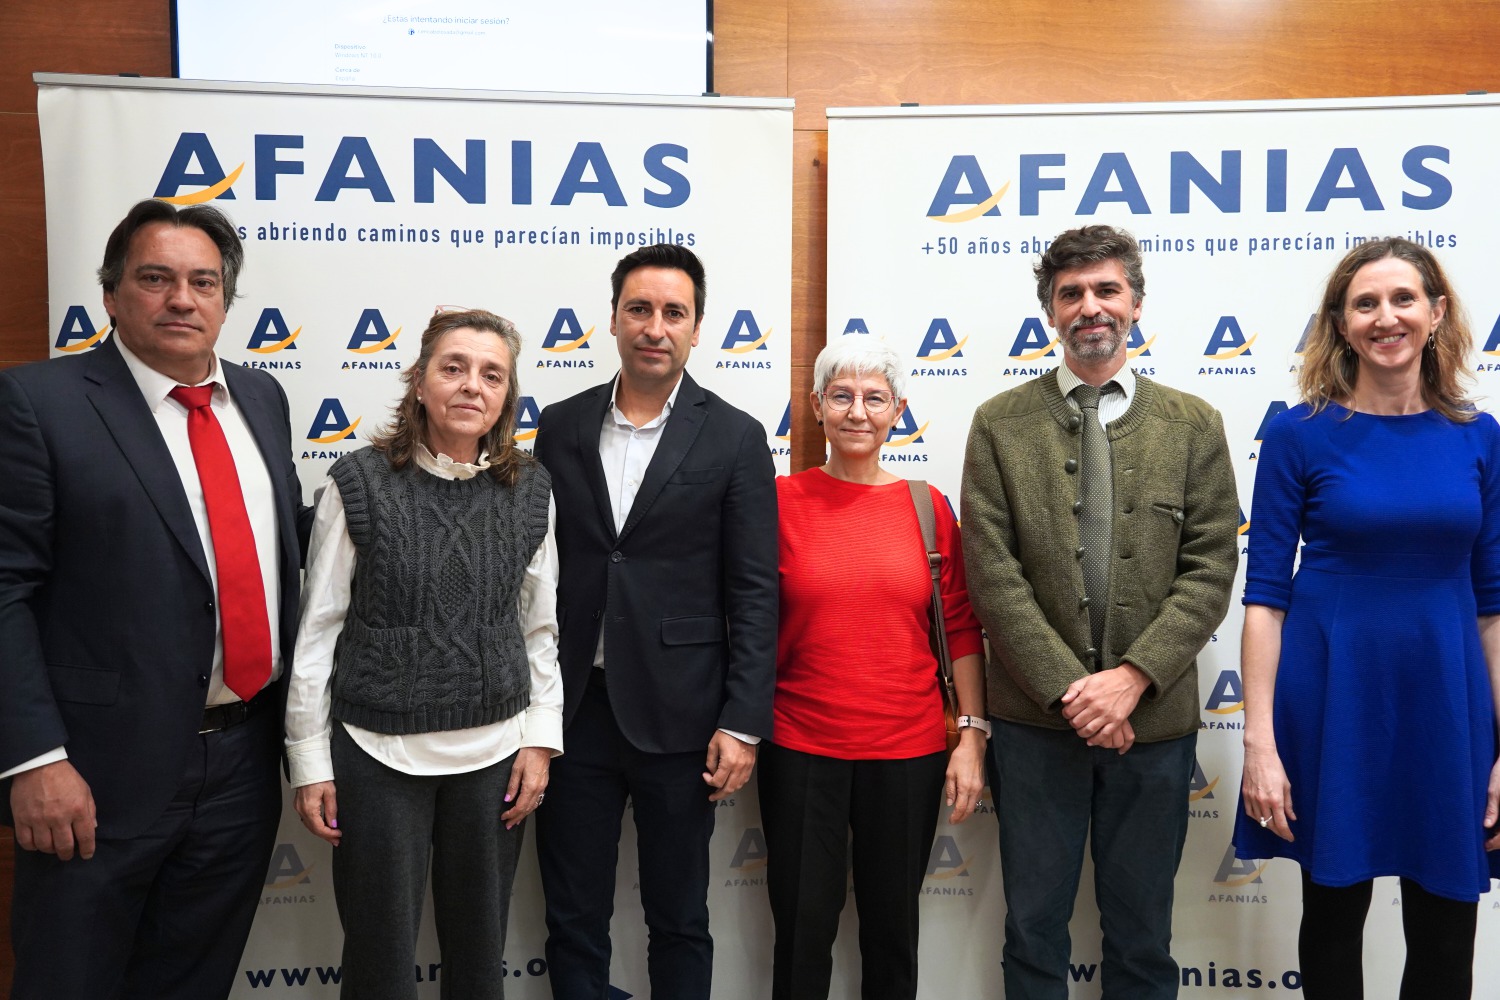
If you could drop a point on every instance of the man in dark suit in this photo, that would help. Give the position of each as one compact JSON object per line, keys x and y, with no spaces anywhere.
{"x":144,"y":624}
{"x":667,"y":603}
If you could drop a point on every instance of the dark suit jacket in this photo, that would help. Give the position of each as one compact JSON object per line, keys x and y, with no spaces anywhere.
{"x":106,"y":606}
{"x":687,"y":592}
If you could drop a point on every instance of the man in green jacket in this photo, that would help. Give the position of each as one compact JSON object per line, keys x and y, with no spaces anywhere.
{"x":1100,"y":516}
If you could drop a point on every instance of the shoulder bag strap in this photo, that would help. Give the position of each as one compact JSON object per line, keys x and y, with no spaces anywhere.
{"x":921,"y":498}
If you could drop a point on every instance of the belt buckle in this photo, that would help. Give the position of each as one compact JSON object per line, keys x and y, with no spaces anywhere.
{"x":226,"y":716}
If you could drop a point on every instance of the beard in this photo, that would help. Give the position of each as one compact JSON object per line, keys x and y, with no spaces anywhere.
{"x":1096,"y":348}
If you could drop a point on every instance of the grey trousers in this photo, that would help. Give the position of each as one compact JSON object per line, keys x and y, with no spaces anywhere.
{"x":393,"y":825}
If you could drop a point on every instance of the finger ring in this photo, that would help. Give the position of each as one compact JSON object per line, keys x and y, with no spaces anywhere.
{"x":542,"y":796}
{"x":1265,"y":820}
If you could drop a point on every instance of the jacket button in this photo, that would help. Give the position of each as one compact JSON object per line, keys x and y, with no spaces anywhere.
{"x":597,"y":614}
{"x":1178,"y":515}
{"x":1085,"y":602}
{"x":208,"y":605}
{"x":1070,"y":466}
{"x":1077,"y":506}
{"x":203,"y":680}
{"x":1091,"y":653}
{"x":615,"y":557}
{"x":1074,"y":422}
{"x":1078,"y":552}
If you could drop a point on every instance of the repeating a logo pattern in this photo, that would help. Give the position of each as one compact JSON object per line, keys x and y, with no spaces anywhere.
{"x":747,"y":866}
{"x":271,"y":339}
{"x":946,"y":867}
{"x":289,"y":879}
{"x":565,"y":341}
{"x":78,"y":331}
{"x":331,"y":426}
{"x":742,"y":340}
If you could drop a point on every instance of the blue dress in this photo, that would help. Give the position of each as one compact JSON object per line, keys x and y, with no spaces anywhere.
{"x":1383,"y":714}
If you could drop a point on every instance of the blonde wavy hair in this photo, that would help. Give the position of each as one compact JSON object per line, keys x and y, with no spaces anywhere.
{"x":1330,"y":368}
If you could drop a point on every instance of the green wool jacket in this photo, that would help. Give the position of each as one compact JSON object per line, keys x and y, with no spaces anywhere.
{"x":1174,"y":541}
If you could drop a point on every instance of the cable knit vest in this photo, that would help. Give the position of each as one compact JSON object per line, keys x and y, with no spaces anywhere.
{"x":432,"y":640}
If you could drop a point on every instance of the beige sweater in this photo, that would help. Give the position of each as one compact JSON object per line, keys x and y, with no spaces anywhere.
{"x":1176,"y":515}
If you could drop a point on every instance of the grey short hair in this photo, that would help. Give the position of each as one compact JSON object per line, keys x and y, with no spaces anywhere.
{"x":859,"y":354}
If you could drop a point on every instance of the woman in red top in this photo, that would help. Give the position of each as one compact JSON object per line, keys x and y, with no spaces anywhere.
{"x":860,"y":742}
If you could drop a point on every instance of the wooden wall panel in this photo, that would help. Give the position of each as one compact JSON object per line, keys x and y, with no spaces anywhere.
{"x":23,"y":247}
{"x":846,"y":52}
{"x":750,"y":48}
{"x":809,"y":286}
{"x":79,"y":36}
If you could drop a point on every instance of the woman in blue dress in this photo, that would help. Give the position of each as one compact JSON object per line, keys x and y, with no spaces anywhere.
{"x":1370,"y":674}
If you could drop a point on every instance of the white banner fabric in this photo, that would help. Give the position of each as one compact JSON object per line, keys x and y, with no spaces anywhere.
{"x":935,"y":219}
{"x":363,"y":211}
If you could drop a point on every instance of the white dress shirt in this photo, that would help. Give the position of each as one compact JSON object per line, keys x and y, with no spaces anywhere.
{"x":325,"y":602}
{"x":260,"y":503}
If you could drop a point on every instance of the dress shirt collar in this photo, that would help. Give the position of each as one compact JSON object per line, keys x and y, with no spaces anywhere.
{"x":156,"y":387}
{"x":613,"y":414}
{"x":443,"y":467}
{"x":1068,"y":380}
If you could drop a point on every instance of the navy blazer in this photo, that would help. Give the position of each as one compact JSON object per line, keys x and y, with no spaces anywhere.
{"x":106,"y":605}
{"x":687,"y":592}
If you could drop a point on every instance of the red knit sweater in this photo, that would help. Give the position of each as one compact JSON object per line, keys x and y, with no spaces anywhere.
{"x":855,"y":676}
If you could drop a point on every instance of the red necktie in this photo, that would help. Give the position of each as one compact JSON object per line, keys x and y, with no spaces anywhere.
{"x":242,"y":592}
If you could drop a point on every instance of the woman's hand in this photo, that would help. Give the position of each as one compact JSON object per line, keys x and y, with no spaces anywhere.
{"x":1268,"y":793}
{"x":318,"y":805}
{"x":965,"y":780}
{"x":528,"y":783}
{"x":1492,"y":809}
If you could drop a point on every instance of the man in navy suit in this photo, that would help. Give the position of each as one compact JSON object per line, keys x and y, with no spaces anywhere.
{"x":143,"y":788}
{"x":667,"y":605}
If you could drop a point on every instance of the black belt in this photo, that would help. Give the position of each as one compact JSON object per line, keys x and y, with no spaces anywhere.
{"x":221,"y":717}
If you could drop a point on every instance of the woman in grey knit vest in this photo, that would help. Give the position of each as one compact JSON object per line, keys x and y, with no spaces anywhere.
{"x":425,"y":702}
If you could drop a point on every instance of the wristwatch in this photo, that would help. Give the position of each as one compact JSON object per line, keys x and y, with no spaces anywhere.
{"x":975,"y":722}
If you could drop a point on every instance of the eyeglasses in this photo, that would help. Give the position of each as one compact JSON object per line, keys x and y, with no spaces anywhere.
{"x":875,"y":402}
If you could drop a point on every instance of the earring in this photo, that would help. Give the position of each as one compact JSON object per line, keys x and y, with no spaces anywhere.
{"x":1432,"y":342}
{"x":820,"y":421}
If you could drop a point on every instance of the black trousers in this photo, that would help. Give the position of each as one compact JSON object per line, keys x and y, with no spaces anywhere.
{"x":809,"y":806}
{"x":578,"y":846}
{"x":162,"y":916}
{"x":1439,"y":942}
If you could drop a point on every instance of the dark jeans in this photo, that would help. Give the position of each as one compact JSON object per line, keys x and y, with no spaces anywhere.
{"x":809,"y":804}
{"x":1049,"y":788}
